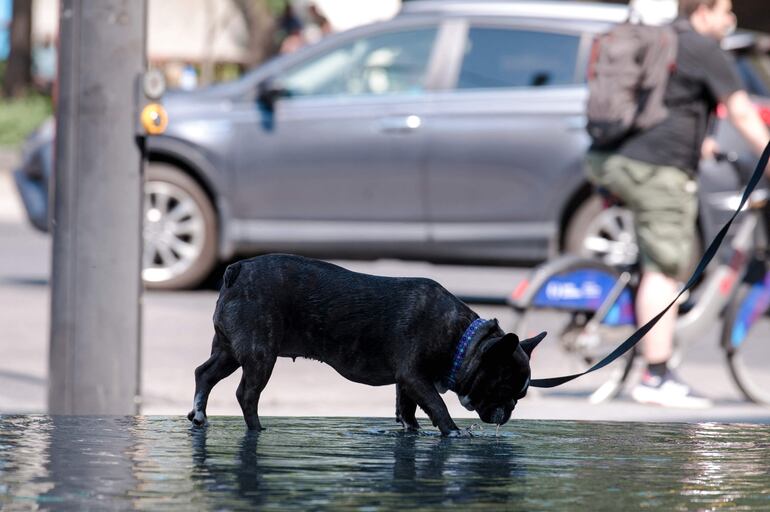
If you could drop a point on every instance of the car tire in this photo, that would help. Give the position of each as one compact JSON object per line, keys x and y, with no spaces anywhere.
{"x":608,"y":234}
{"x":180,"y":230}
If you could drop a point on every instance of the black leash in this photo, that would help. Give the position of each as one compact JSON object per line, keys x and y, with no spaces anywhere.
{"x":705,"y":260}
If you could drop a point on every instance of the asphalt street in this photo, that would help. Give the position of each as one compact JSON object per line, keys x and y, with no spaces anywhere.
{"x":177,"y":333}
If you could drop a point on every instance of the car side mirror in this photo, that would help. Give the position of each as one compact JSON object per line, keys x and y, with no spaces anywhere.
{"x":269,"y":92}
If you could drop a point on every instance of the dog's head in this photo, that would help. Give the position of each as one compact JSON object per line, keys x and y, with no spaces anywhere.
{"x":497,"y":376}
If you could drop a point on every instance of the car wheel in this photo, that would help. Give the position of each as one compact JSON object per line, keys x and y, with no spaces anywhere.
{"x":603,"y":233}
{"x":180,"y":230}
{"x":608,"y":234}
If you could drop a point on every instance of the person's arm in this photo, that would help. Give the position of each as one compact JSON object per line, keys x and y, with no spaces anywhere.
{"x":746,"y":119}
{"x":710,"y":148}
{"x":721,"y":76}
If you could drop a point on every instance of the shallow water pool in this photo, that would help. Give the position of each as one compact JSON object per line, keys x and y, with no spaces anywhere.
{"x":159,"y":463}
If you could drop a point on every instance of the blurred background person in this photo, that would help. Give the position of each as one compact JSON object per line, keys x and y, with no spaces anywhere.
{"x":292,"y":30}
{"x":317,"y":25}
{"x":188,"y":78}
{"x":44,"y":62}
{"x":654,"y":171}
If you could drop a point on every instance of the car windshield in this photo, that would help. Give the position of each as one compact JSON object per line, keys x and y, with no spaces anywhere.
{"x":381,"y":64}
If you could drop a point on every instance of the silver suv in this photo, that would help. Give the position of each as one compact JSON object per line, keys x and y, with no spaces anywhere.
{"x":454,"y":132}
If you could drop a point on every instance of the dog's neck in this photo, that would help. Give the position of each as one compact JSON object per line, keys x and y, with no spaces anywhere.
{"x":475,"y":332}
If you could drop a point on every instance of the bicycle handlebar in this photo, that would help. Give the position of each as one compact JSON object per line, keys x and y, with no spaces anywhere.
{"x":726,"y":156}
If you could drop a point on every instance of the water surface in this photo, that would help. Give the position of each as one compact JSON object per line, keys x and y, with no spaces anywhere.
{"x":159,"y":463}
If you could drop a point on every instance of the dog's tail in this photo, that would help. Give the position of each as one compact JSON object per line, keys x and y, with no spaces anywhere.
{"x":231,"y":274}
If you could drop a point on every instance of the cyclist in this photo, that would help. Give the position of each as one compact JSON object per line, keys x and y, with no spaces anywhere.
{"x":653,"y":172}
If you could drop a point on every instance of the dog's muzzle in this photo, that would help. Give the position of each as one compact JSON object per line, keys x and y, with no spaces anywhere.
{"x":497,"y":415}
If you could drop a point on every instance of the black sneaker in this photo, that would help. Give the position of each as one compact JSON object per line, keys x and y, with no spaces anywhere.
{"x":667,"y":391}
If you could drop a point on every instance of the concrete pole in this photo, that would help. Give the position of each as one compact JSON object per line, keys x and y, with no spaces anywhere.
{"x":96,"y":275}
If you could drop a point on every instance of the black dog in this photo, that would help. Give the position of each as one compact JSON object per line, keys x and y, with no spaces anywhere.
{"x":373,"y":330}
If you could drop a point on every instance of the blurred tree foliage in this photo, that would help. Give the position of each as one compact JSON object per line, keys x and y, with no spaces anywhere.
{"x":17,"y":78}
{"x":19,"y":116}
{"x":22,"y":108}
{"x":261,"y":18}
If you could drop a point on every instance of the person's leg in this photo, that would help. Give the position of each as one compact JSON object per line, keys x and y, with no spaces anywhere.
{"x":665,"y":212}
{"x":665,"y":209}
{"x":656,"y":291}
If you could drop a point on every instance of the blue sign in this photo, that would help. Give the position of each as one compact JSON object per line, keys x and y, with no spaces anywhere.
{"x":586,"y":290}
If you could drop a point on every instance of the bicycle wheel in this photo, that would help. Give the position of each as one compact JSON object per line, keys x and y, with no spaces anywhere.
{"x":745,"y":340}
{"x":563,"y":298}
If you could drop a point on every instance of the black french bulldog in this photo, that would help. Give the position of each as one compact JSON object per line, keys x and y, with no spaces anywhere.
{"x":371,"y":329}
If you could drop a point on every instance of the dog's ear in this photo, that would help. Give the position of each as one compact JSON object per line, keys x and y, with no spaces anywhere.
{"x":499,"y":346}
{"x":529,"y":344}
{"x":489,"y":349}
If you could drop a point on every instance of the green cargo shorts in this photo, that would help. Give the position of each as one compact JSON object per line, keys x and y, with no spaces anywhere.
{"x":665,"y":206}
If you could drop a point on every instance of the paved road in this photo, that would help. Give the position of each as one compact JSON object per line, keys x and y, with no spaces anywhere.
{"x":177,"y":333}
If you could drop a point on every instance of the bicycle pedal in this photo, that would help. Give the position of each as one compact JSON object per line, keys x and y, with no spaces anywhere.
{"x":606,"y":391}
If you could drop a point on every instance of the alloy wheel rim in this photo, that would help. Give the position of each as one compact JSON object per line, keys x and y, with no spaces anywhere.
{"x":610,"y":237}
{"x":173,"y":229}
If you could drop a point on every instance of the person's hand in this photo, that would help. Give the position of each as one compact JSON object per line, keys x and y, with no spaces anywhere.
{"x":709,"y":149}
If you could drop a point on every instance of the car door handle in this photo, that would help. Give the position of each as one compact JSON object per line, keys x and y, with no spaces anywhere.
{"x":400,"y":124}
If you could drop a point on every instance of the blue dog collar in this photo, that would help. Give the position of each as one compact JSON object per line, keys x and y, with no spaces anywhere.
{"x":462,"y":347}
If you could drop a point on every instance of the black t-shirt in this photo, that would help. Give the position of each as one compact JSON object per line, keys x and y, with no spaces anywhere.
{"x":704,"y":75}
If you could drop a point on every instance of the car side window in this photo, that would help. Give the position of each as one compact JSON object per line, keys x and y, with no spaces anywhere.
{"x":394,"y":62}
{"x":506,"y":58}
{"x":754,"y":69}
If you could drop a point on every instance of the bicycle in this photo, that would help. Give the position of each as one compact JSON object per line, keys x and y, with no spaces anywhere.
{"x":587,"y":305}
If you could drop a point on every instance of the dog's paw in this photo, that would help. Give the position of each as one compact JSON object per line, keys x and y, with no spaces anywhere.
{"x":461,"y":433}
{"x":198,"y":418}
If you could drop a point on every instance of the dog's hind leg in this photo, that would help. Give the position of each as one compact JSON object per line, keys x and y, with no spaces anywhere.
{"x":221,"y":364}
{"x":255,"y":376}
{"x":405,"y":409}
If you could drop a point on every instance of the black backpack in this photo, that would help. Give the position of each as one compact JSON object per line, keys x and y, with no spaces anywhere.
{"x":627,"y":77}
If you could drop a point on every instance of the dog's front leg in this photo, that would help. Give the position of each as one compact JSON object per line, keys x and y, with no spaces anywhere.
{"x":248,"y":404}
{"x":426,"y":396}
{"x":405,"y":409}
